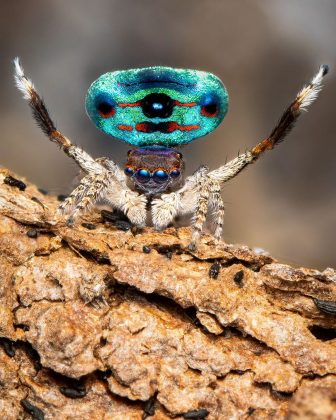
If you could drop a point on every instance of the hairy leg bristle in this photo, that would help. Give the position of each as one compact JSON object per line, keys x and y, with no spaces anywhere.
{"x":23,"y":84}
{"x":307,"y":95}
{"x":36,"y":103}
{"x":200,"y":213}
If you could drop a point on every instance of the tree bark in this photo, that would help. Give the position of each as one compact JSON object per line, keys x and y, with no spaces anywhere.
{"x":104,"y":321}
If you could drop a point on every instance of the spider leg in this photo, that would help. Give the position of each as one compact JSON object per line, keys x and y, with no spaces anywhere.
{"x":104,"y":188}
{"x":103,"y":181}
{"x":113,"y":168}
{"x":44,"y":121}
{"x":85,"y":196}
{"x":200,"y":213}
{"x":198,"y":193}
{"x":303,"y":99}
{"x":69,"y":204}
{"x":217,"y":206}
{"x":204,"y":196}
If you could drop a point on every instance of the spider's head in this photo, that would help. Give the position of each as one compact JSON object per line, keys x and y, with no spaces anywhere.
{"x":157,"y":105}
{"x":154,"y":170}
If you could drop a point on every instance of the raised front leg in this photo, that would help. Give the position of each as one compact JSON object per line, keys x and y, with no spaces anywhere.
{"x":201,"y":191}
{"x":103,"y":180}
{"x":303,"y":99}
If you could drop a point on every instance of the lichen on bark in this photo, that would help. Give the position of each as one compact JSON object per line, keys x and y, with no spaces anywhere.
{"x":102,"y":323}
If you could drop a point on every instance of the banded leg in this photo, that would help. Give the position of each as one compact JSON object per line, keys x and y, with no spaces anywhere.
{"x":217,"y":206}
{"x":76,"y":195}
{"x":104,"y":188}
{"x":200,"y":214}
{"x":85,"y":196}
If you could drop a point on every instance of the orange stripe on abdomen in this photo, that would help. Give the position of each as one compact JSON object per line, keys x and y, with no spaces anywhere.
{"x":125,"y":127}
{"x":131,"y":104}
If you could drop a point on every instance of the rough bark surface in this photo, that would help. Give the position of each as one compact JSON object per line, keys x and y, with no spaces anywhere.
{"x":101,"y":321}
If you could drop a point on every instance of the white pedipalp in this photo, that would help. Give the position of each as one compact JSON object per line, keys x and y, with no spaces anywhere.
{"x":179,"y":203}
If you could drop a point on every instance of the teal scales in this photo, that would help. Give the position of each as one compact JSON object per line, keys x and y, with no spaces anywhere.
{"x":157,"y":106}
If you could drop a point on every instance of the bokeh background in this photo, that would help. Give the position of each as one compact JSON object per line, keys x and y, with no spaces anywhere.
{"x":263,"y":50}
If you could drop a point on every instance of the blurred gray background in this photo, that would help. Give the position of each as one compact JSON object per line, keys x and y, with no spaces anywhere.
{"x":263,"y":50}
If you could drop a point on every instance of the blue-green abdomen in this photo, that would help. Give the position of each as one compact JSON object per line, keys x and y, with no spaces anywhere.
{"x":157,"y":105}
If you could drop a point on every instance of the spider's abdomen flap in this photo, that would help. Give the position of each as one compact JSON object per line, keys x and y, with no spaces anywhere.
{"x":157,"y":105}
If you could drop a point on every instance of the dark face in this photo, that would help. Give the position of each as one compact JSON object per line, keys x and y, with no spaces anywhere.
{"x":154,"y":169}
{"x":157,"y":105}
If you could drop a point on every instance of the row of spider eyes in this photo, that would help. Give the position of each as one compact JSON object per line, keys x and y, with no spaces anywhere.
{"x":107,"y":110}
{"x":144,"y":174}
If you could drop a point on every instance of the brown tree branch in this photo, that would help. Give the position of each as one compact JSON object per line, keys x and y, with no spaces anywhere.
{"x":101,"y":321}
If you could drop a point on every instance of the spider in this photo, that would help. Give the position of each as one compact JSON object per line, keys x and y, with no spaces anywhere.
{"x":155,"y":109}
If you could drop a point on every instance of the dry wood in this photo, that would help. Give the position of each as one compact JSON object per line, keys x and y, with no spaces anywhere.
{"x":101,"y":321}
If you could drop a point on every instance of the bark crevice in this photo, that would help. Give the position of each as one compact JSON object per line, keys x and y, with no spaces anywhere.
{"x":150,"y":328}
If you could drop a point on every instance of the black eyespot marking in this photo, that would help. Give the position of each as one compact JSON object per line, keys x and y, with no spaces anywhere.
{"x":157,"y":105}
{"x":105,"y":109}
{"x":210,"y":110}
{"x":210,"y":106}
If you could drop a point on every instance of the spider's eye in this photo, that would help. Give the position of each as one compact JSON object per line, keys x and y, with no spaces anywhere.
{"x":175,"y":173}
{"x":210,"y":106}
{"x":105,"y":109}
{"x":129,"y":171}
{"x":143,"y":175}
{"x":160,"y":175}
